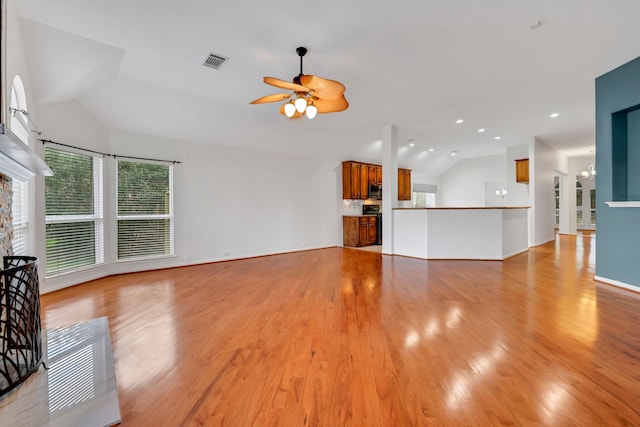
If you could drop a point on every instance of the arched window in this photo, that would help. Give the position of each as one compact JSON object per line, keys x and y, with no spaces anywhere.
{"x":557,"y":188}
{"x":19,"y":204}
{"x":18,"y":122}
{"x":578,"y":203}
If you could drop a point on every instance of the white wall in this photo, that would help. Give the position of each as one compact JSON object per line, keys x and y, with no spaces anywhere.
{"x":70,"y":123}
{"x":229,"y":203}
{"x":464,"y":184}
{"x":16,"y":61}
{"x":567,"y":204}
{"x":16,"y":64}
{"x":423,"y":177}
{"x":545,"y":162}
{"x":518,"y":193}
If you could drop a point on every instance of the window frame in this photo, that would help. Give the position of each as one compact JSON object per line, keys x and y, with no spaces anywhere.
{"x":97,"y":177}
{"x":580,"y":208}
{"x":20,"y":199}
{"x":557,"y":203}
{"x":170,"y":216}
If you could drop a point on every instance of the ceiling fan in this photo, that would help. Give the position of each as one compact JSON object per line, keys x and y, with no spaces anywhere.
{"x":310,"y":94}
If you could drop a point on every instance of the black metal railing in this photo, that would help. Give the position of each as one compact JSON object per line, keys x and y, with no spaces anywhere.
{"x":20,"y":331}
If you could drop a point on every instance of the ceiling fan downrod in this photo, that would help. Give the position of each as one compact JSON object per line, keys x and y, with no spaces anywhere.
{"x":301,"y":51}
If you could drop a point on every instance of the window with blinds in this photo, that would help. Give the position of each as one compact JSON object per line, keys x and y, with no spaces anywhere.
{"x":20,"y":214}
{"x":145,"y":210}
{"x":74,"y":214}
{"x":20,"y":199}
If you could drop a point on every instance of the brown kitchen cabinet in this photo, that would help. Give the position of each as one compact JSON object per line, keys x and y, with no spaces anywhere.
{"x":356,"y":178}
{"x":404,"y":184}
{"x":522,"y":171}
{"x":355,"y":183}
{"x":375,"y":174}
{"x":359,"y":230}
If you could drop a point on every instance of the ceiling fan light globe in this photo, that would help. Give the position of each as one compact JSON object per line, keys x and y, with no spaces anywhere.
{"x":289,"y":109}
{"x":312,"y":110}
{"x":301,"y":104}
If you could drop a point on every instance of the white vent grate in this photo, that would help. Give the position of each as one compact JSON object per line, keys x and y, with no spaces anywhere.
{"x":215,"y":61}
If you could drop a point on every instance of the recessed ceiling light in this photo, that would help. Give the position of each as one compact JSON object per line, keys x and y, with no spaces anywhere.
{"x":412,"y":145}
{"x":497,"y":138}
{"x":554,"y":115}
{"x":481,"y":130}
{"x":459,"y":121}
{"x":453,"y":153}
{"x":432,"y":150}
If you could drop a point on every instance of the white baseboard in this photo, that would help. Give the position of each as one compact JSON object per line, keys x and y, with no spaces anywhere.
{"x":57,"y":283}
{"x":618,"y":284}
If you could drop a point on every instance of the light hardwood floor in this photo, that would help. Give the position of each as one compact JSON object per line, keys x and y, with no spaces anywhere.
{"x":342,"y":337}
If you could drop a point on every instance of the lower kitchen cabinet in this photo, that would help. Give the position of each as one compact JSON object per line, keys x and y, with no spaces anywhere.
{"x":358,"y":230}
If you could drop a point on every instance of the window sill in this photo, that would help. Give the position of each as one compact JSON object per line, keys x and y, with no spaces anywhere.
{"x":80,"y":270}
{"x":625,"y":204}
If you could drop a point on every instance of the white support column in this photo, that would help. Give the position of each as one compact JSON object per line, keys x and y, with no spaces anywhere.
{"x":389,"y":184}
{"x":567,"y":196}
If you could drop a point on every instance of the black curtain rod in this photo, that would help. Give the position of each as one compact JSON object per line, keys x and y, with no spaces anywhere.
{"x":48,"y":141}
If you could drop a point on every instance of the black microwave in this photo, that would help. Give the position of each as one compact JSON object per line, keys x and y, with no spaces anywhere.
{"x":375,"y":191}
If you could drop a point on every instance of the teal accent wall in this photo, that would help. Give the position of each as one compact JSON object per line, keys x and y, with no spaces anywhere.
{"x":633,"y":152}
{"x":618,"y":173}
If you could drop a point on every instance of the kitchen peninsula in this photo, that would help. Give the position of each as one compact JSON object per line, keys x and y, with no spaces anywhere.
{"x":485,"y":233}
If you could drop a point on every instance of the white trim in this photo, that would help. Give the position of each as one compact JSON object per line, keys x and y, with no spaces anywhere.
{"x":133,"y":217}
{"x":144,"y":258}
{"x":150,"y":216}
{"x":625,"y":204}
{"x":57,"y":219}
{"x":617,"y":283}
{"x":97,"y":217}
{"x":543,"y":243}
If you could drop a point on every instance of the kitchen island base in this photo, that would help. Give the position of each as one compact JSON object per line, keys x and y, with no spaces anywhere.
{"x":494,"y":233}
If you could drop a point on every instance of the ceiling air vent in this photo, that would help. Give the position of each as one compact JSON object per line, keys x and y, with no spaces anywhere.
{"x":215,"y":61}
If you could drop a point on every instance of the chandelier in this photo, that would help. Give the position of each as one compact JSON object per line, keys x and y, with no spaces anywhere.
{"x":590,"y":172}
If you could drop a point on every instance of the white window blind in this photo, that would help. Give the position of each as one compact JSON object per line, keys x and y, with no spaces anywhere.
{"x":145,"y":210}
{"x":74,"y":214}
{"x":20,"y":213}
{"x":20,"y":199}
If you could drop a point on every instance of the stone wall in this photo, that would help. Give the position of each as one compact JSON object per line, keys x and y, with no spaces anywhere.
{"x":6,"y":227}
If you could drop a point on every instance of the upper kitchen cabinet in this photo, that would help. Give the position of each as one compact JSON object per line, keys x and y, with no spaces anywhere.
{"x":522,"y":171}
{"x":375,"y":174}
{"x":355,"y":180}
{"x":404,"y":184}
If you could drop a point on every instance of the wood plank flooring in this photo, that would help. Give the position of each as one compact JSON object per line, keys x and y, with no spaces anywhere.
{"x":342,"y":337}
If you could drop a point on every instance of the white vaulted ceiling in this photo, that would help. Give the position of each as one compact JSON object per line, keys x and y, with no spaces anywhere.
{"x":417,"y":64}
